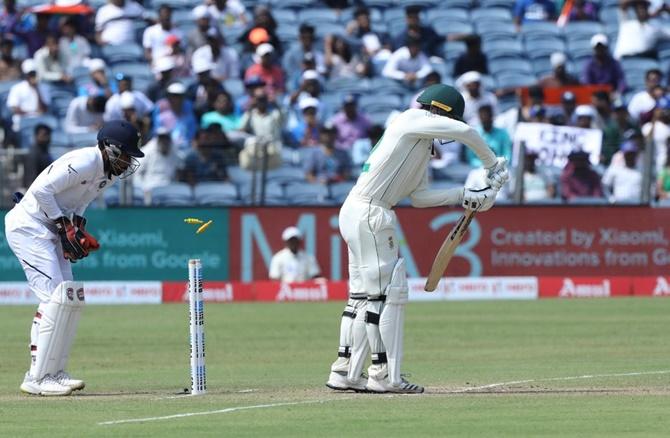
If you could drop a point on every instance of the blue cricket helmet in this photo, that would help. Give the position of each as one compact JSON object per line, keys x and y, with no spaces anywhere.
{"x":123,"y":135}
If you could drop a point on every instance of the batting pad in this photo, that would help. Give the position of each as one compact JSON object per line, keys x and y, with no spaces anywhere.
{"x":60,"y":317}
{"x":392,"y":320}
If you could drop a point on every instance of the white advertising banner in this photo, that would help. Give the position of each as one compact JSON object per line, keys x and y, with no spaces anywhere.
{"x":554,"y":143}
{"x":96,"y":292}
{"x":475,"y":288}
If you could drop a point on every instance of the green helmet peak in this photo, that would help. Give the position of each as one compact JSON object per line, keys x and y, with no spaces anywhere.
{"x":444,"y":97}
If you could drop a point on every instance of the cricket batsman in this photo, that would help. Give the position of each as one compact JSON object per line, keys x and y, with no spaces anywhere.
{"x":397,"y":168}
{"x":46,"y":231}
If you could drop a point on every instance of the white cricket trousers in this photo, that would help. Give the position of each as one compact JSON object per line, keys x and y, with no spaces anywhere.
{"x":369,"y":228}
{"x":39,"y":251}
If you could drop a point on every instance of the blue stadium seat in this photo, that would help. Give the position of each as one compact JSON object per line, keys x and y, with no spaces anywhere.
{"x":507,"y":4}
{"x":380,"y":100}
{"x":83,"y":139}
{"x":548,"y":201}
{"x":285,"y":17}
{"x":510,"y":64}
{"x":588,"y":200}
{"x":274,"y":194}
{"x":286,"y":175}
{"x":238,"y":176}
{"x":124,"y":53}
{"x":394,"y":14}
{"x":638,"y":64}
{"x":582,"y":29}
{"x":609,"y":15}
{"x":235,"y":87}
{"x":515,"y":80}
{"x":348,"y":85}
{"x":502,"y":47}
{"x":215,"y":194}
{"x":453,"y":49}
{"x":540,"y":28}
{"x":446,"y":26}
{"x":60,"y":139}
{"x":306,"y":194}
{"x":324,"y":29}
{"x":293,"y":4}
{"x":339,"y":191}
{"x":27,"y":126}
{"x":488,"y":29}
{"x":433,"y":15}
{"x":317,"y":16}
{"x":172,"y":195}
{"x":541,"y":66}
{"x":491,"y":14}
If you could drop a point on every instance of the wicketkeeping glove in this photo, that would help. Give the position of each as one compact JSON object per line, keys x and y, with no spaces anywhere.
{"x":497,"y":175}
{"x":86,"y":240}
{"x":70,"y":239}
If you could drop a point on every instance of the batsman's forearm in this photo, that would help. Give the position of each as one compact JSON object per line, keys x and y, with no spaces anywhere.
{"x":436,"y":198}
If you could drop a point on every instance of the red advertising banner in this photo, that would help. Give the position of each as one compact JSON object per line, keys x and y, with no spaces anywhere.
{"x":216,"y":291}
{"x":505,"y":241}
{"x":585,"y":287}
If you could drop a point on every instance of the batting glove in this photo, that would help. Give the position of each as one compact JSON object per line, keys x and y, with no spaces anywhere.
{"x":497,"y":175}
{"x":479,"y":200}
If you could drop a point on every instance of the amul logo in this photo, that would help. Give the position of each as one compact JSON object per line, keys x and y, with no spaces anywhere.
{"x":572,"y":290}
{"x":662,"y":287}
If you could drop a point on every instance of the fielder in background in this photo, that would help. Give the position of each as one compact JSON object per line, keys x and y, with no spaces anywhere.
{"x":397,"y":168}
{"x":292,"y":264}
{"x":46,"y":231}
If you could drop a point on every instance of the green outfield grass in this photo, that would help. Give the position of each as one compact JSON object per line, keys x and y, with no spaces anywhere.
{"x":582,"y":367}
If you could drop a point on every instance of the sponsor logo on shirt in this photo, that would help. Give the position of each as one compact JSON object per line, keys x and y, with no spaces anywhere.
{"x":70,"y":169}
{"x":102,"y":184}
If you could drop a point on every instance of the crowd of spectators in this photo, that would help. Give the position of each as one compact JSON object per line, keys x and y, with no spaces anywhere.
{"x":210,"y":81}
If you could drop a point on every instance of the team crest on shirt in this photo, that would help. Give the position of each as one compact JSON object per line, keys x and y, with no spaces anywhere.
{"x":391,"y":244}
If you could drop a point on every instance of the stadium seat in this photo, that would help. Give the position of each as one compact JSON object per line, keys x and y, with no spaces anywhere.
{"x":433,"y":15}
{"x":215,"y":194}
{"x":123,"y":53}
{"x":306,"y":194}
{"x":172,"y":195}
{"x":286,"y":175}
{"x":582,"y":29}
{"x":548,"y":201}
{"x":324,"y":29}
{"x":544,"y":47}
{"x":491,"y":14}
{"x":540,"y":27}
{"x":502,"y":47}
{"x":381,"y":100}
{"x":510,"y":65}
{"x":238,"y":176}
{"x":446,"y":26}
{"x":234,"y":86}
{"x":348,"y":85}
{"x":285,"y":17}
{"x":339,"y":191}
{"x":83,"y":139}
{"x":515,"y":80}
{"x":274,"y":194}
{"x":317,"y":16}
{"x":588,"y":200}
{"x":27,"y":127}
{"x":507,"y":4}
{"x":638,"y":64}
{"x":541,"y":66}
{"x":488,"y":29}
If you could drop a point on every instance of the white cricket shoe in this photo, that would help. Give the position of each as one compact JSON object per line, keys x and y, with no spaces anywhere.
{"x":66,"y":380}
{"x":48,"y":386}
{"x":339,"y":382}
{"x":383,"y":386}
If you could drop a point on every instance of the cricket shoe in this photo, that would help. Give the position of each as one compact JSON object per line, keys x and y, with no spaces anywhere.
{"x":339,"y":382}
{"x":66,"y":380}
{"x":48,"y":386}
{"x":383,"y":386}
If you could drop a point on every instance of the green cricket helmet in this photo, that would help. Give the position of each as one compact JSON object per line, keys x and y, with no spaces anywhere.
{"x":444,"y":97}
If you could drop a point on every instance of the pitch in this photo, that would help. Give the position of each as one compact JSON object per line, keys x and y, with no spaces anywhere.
{"x":549,"y":367}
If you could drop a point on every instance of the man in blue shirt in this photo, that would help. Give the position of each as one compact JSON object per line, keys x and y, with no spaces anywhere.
{"x":533,"y":10}
{"x":497,"y":139}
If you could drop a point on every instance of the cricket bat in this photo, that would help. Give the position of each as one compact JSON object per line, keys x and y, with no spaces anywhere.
{"x":447,"y":250}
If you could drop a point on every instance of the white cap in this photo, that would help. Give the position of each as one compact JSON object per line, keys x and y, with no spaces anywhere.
{"x":96,"y":64}
{"x":470,"y":77}
{"x":164,"y":63}
{"x":599,"y":38}
{"x":201,"y":64}
{"x":308,"y":102}
{"x":200,"y":11}
{"x":264,"y":49}
{"x":585,"y":111}
{"x":371,"y":42}
{"x":28,"y":66}
{"x":290,"y":233}
{"x":127,"y":100}
{"x":176,"y":88}
{"x":310,"y":74}
{"x":557,"y":58}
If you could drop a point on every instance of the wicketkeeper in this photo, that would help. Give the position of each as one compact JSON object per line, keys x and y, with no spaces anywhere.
{"x":397,"y":168}
{"x":46,"y":231}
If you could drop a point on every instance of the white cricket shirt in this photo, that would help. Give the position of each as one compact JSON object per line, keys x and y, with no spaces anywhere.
{"x":116,"y":24}
{"x":67,"y":186}
{"x":398,"y":164}
{"x":289,"y":268}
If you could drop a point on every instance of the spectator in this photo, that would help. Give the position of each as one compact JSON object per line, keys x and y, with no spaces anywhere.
{"x":182,"y":63}
{"x":603,"y":106}
{"x":114,"y":22}
{"x":360,"y":27}
{"x":73,"y":48}
{"x":584,"y":116}
{"x":638,"y":36}
{"x":602,"y":68}
{"x":537,"y":186}
{"x":578,"y":179}
{"x":360,"y":150}
{"x":164,"y":70}
{"x":474,"y":96}
{"x":141,"y":102}
{"x":658,"y":130}
{"x":325,"y":164}
{"x":251,"y":84}
{"x":307,"y":130}
{"x":473,"y":59}
{"x":197,"y":37}
{"x":203,"y":92}
{"x":644,"y":102}
{"x":296,"y":53}
{"x":497,"y":138}
{"x":84,"y":114}
{"x":408,"y":64}
{"x":310,"y":86}
{"x":154,"y":39}
{"x":224,"y":113}
{"x":228,"y":13}
{"x":130,"y":113}
{"x":568,"y":106}
{"x":267,"y":70}
{"x":10,"y":18}
{"x":50,"y":62}
{"x":160,"y":163}
{"x":431,"y":78}
{"x":262,"y":30}
{"x":98,"y":83}
{"x":175,"y":113}
{"x":223,"y":59}
{"x":613,"y":134}
{"x":625,"y":182}
{"x":204,"y":162}
{"x":39,"y":157}
{"x":292,"y":264}
{"x":538,"y":114}
{"x":34,"y":35}
{"x":261,"y":120}
{"x":10,"y":67}
{"x":663,"y":179}
{"x":341,"y":62}
{"x":27,"y":98}
{"x":350,"y":123}
{"x":559,"y":77}
{"x":430,"y":41}
{"x":583,"y":10}
{"x":533,"y":10}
